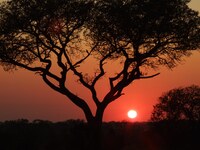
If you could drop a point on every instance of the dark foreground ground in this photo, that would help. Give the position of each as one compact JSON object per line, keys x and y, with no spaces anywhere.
{"x":73,"y":135}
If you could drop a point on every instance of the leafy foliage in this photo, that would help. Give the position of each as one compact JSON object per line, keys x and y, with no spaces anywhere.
{"x":178,"y":104}
{"x":147,"y":32}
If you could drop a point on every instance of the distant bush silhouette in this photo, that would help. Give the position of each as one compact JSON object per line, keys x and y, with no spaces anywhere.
{"x":178,"y":104}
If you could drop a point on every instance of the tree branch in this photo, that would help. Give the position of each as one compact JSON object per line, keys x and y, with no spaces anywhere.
{"x":151,"y":76}
{"x":81,"y":78}
{"x":102,"y":72}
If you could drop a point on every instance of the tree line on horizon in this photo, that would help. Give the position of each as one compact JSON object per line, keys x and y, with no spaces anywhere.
{"x":175,"y":124}
{"x":74,"y":135}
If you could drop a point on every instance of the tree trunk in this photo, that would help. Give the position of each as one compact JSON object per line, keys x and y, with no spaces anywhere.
{"x":95,"y":132}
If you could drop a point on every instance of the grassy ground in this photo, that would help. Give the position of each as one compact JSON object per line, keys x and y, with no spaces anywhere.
{"x":74,"y":135}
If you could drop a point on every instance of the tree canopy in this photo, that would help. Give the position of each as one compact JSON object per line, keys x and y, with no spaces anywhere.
{"x":178,"y":104}
{"x":138,"y":34}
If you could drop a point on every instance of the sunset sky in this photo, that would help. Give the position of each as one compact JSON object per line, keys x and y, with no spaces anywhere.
{"x":24,"y":95}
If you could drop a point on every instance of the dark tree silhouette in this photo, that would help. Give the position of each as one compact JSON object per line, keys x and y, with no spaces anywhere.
{"x":178,"y":104}
{"x":44,"y":36}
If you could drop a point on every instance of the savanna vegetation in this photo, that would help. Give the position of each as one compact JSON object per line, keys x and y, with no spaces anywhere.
{"x":137,"y":35}
{"x":181,"y":103}
{"x":73,"y":135}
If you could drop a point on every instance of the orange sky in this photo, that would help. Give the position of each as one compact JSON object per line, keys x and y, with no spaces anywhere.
{"x":24,"y":95}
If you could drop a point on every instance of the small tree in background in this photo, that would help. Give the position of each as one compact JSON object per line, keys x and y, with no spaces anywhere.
{"x":178,"y":104}
{"x":41,"y":35}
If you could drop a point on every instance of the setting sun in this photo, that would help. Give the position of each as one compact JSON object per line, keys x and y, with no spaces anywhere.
{"x":132,"y":114}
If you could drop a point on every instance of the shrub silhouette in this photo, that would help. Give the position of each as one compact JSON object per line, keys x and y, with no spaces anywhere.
{"x":178,"y":104}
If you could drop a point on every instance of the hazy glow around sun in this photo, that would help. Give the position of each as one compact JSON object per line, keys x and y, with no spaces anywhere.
{"x":132,"y":114}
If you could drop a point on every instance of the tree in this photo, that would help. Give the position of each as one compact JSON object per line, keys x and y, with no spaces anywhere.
{"x":135,"y":34}
{"x":178,"y":104}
